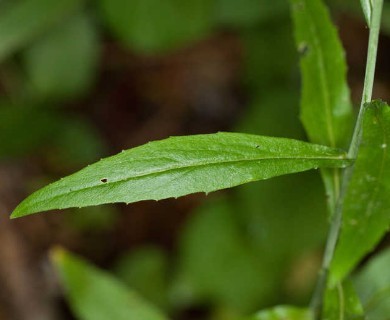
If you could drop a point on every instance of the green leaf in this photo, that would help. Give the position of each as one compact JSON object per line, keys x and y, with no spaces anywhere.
{"x":22,"y":21}
{"x":373,"y":286}
{"x":342,"y":302}
{"x":366,"y":210}
{"x":283,"y":313}
{"x":325,"y":106}
{"x":367,"y":8}
{"x":96,"y":295}
{"x":72,"y":43}
{"x":326,"y":110}
{"x":179,"y":166}
{"x":154,"y":26}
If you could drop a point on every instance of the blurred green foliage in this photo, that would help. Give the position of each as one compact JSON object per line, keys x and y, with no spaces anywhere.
{"x":146,"y":270}
{"x":22,"y":21}
{"x":283,"y":312}
{"x":63,"y":63}
{"x":96,"y":295}
{"x":255,"y":247}
{"x":23,"y":128}
{"x":96,"y":219}
{"x":248,"y":13}
{"x":152,"y":26}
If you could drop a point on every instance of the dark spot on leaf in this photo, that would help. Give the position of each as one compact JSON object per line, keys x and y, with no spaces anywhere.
{"x":257,"y":146}
{"x":104,"y":180}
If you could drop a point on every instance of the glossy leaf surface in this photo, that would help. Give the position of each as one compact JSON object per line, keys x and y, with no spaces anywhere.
{"x":373,"y":286}
{"x":366,"y":211}
{"x":283,"y":313}
{"x":96,"y":295}
{"x":23,"y":20}
{"x":326,"y":110}
{"x":179,"y":166}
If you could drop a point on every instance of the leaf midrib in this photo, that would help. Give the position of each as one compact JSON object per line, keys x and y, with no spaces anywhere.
{"x":340,"y":158}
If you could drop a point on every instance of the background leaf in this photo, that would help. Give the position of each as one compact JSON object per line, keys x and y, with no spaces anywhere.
{"x":70,"y":142}
{"x":179,"y":166}
{"x":283,"y":313}
{"x":219,"y":263}
{"x":52,"y":60}
{"x":373,"y":286}
{"x":146,"y":270}
{"x":366,"y":210}
{"x":248,"y":13}
{"x":96,"y":295}
{"x":325,"y":105}
{"x":326,"y":110}
{"x":27,"y":135}
{"x":263,"y":76}
{"x":22,"y":21}
{"x":151,"y":26}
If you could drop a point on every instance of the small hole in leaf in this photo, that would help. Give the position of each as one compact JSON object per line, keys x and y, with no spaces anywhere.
{"x":104,"y":180}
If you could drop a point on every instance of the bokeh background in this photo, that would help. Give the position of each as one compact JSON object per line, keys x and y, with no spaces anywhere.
{"x":81,"y":80}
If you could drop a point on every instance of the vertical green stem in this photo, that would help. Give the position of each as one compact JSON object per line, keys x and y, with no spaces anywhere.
{"x":317,"y":300}
{"x":370,"y":74}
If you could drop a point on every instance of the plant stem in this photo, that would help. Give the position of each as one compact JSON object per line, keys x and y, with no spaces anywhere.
{"x":317,"y":300}
{"x":369,"y":76}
